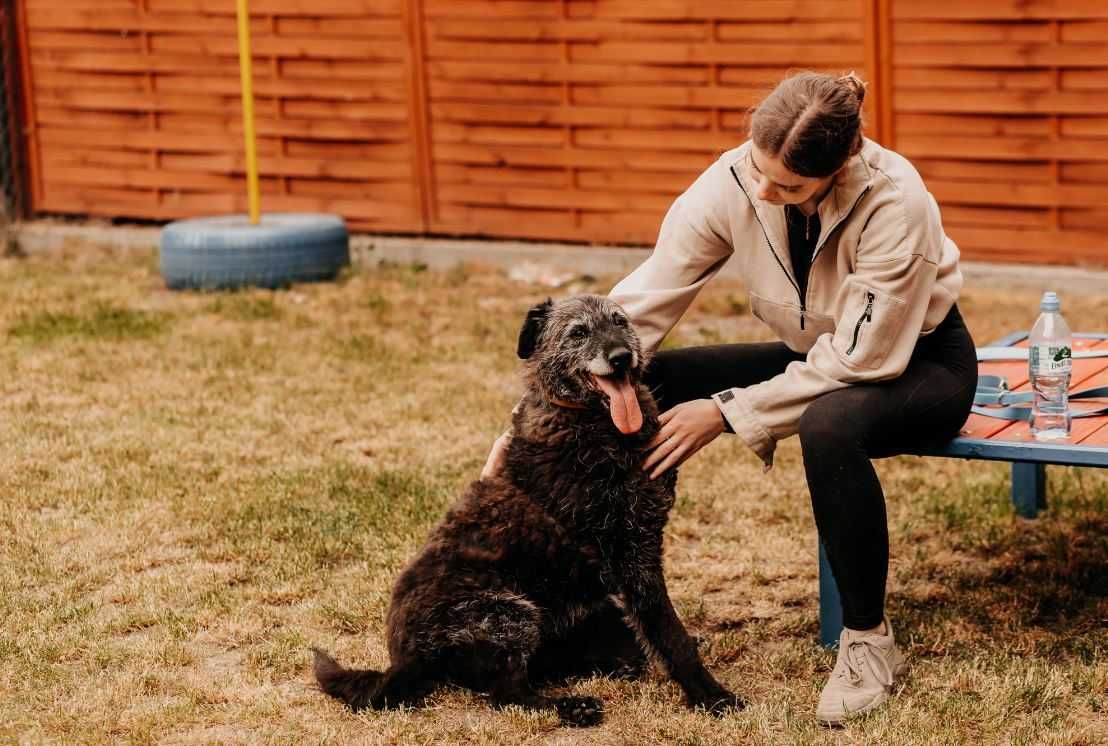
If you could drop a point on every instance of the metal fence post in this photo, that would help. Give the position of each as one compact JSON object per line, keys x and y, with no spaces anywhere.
{"x":12,"y":202}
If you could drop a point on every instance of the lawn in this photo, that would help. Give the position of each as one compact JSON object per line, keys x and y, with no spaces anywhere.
{"x":197,"y":487}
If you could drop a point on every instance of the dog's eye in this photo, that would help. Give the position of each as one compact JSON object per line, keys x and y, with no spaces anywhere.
{"x":618,"y":320}
{"x":578,"y":332}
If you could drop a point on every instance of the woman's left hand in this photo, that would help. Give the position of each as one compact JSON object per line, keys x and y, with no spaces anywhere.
{"x":686,"y":429}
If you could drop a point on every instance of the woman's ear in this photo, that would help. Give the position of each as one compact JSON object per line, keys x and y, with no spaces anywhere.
{"x":532,"y":329}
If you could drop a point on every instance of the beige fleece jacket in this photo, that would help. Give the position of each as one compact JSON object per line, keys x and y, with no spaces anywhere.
{"x":883,"y":274}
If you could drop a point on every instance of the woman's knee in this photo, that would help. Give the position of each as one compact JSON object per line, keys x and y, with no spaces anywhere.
{"x":830,"y":424}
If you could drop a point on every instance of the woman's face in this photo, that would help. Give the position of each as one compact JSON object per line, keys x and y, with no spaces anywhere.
{"x":778,"y":185}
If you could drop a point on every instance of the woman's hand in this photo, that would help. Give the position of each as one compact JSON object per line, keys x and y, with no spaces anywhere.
{"x":686,"y":429}
{"x":495,"y":463}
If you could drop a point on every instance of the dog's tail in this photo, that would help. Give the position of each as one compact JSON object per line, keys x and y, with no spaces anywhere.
{"x":358,"y":689}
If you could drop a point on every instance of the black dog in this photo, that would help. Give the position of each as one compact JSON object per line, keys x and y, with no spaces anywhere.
{"x":533,"y":570}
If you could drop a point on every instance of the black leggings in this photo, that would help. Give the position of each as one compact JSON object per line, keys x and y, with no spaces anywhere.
{"x":840,"y":432}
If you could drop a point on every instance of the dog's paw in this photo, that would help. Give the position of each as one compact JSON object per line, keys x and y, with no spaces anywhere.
{"x":628,"y":671}
{"x":720,"y":704}
{"x":580,"y":711}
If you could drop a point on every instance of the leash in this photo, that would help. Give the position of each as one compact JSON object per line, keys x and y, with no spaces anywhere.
{"x":1022,"y":353}
{"x":1011,"y":405}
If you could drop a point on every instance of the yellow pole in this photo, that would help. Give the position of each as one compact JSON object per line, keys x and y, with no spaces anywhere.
{"x":246,"y":72}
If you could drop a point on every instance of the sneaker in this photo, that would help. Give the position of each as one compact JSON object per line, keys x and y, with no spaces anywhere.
{"x":867,"y":667}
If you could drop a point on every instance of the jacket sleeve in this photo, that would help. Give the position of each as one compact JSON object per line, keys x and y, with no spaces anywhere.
{"x":879,"y":314}
{"x":690,"y":250}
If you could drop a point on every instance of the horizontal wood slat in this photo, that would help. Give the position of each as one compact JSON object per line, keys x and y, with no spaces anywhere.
{"x":1003,"y":55}
{"x":1000,"y":10}
{"x":652,"y":11}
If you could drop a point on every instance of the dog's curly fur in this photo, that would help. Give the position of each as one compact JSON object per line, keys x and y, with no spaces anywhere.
{"x":543,"y":571}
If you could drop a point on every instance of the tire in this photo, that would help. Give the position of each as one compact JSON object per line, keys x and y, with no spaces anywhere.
{"x":228,"y":252}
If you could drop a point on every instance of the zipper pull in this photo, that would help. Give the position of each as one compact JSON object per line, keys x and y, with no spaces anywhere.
{"x":802,"y":318}
{"x":867,"y":315}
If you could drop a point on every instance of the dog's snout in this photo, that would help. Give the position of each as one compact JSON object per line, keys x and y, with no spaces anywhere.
{"x":620,"y":359}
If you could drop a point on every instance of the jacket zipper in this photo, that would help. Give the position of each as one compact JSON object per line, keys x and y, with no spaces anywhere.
{"x":819,"y":248}
{"x":808,"y":276}
{"x":771,"y":249}
{"x":867,"y":316}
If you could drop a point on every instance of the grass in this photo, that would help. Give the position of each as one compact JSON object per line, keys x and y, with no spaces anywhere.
{"x":199,"y":487}
{"x":100,"y":321}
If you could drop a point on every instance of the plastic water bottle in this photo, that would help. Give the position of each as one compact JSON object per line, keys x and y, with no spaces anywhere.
{"x":1049,"y":366}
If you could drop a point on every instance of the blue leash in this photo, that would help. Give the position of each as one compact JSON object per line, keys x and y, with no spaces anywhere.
{"x":993,"y":390}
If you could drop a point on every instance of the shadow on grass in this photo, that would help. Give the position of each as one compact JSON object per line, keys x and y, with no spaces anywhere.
{"x":1038,"y":587}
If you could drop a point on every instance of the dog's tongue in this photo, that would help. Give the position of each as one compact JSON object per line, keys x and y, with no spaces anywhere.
{"x":624,"y":404}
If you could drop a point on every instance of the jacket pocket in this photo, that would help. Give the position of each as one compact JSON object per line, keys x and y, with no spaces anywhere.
{"x":773,"y":313}
{"x":784,"y":320}
{"x":869,"y":327}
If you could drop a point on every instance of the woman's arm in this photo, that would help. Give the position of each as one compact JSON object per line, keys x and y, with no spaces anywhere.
{"x":494,"y":464}
{"x":693,"y":245}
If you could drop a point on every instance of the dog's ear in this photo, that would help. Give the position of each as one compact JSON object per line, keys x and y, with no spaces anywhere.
{"x":532,"y":328}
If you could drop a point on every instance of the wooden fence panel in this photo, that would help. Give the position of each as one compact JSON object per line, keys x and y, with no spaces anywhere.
{"x":583,"y":119}
{"x":137,"y":112}
{"x":1000,"y":105}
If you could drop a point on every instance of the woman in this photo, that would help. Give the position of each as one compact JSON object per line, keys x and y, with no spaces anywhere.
{"x":842,"y":250}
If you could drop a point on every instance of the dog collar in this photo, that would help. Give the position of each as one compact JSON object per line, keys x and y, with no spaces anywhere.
{"x":567,"y":404}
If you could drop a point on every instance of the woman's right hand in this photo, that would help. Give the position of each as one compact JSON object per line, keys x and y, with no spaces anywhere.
{"x":499,"y":454}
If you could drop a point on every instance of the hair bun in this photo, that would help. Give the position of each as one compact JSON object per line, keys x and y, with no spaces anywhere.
{"x":856,"y":85}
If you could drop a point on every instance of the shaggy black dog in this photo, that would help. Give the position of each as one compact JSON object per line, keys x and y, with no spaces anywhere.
{"x":542,"y":572}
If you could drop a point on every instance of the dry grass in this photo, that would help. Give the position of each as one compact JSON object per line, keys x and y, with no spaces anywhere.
{"x":197,"y":487}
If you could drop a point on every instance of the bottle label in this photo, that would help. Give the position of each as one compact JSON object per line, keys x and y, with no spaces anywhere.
{"x":1050,"y":360}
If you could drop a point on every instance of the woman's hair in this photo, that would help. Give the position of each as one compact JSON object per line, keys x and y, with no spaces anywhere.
{"x":813,"y":122}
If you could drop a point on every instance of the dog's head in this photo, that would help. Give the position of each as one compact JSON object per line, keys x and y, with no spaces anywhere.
{"x":583,"y":350}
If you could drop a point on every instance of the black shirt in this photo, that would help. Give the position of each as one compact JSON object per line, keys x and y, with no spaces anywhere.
{"x":803,"y":234}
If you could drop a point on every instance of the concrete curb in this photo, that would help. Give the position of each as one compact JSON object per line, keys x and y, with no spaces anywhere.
{"x":443,"y":253}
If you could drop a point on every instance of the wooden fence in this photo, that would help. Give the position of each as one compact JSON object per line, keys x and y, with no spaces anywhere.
{"x":558,"y":119}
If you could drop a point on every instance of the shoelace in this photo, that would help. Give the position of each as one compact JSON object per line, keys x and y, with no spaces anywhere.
{"x":856,"y":657}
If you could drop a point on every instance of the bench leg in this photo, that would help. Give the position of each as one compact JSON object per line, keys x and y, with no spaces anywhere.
{"x":830,"y":607}
{"x":1028,"y":488}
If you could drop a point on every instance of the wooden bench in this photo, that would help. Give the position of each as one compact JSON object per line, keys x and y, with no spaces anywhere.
{"x":988,"y":438}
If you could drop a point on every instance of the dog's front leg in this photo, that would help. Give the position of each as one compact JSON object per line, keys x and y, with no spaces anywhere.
{"x":650,"y":613}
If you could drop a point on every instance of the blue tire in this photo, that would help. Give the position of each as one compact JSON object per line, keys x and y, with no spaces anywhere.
{"x":228,"y":252}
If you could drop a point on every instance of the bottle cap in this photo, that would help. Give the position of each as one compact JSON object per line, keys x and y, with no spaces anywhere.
{"x":1050,"y":302}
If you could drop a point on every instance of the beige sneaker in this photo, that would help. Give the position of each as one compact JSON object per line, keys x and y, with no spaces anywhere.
{"x":865,"y":671}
